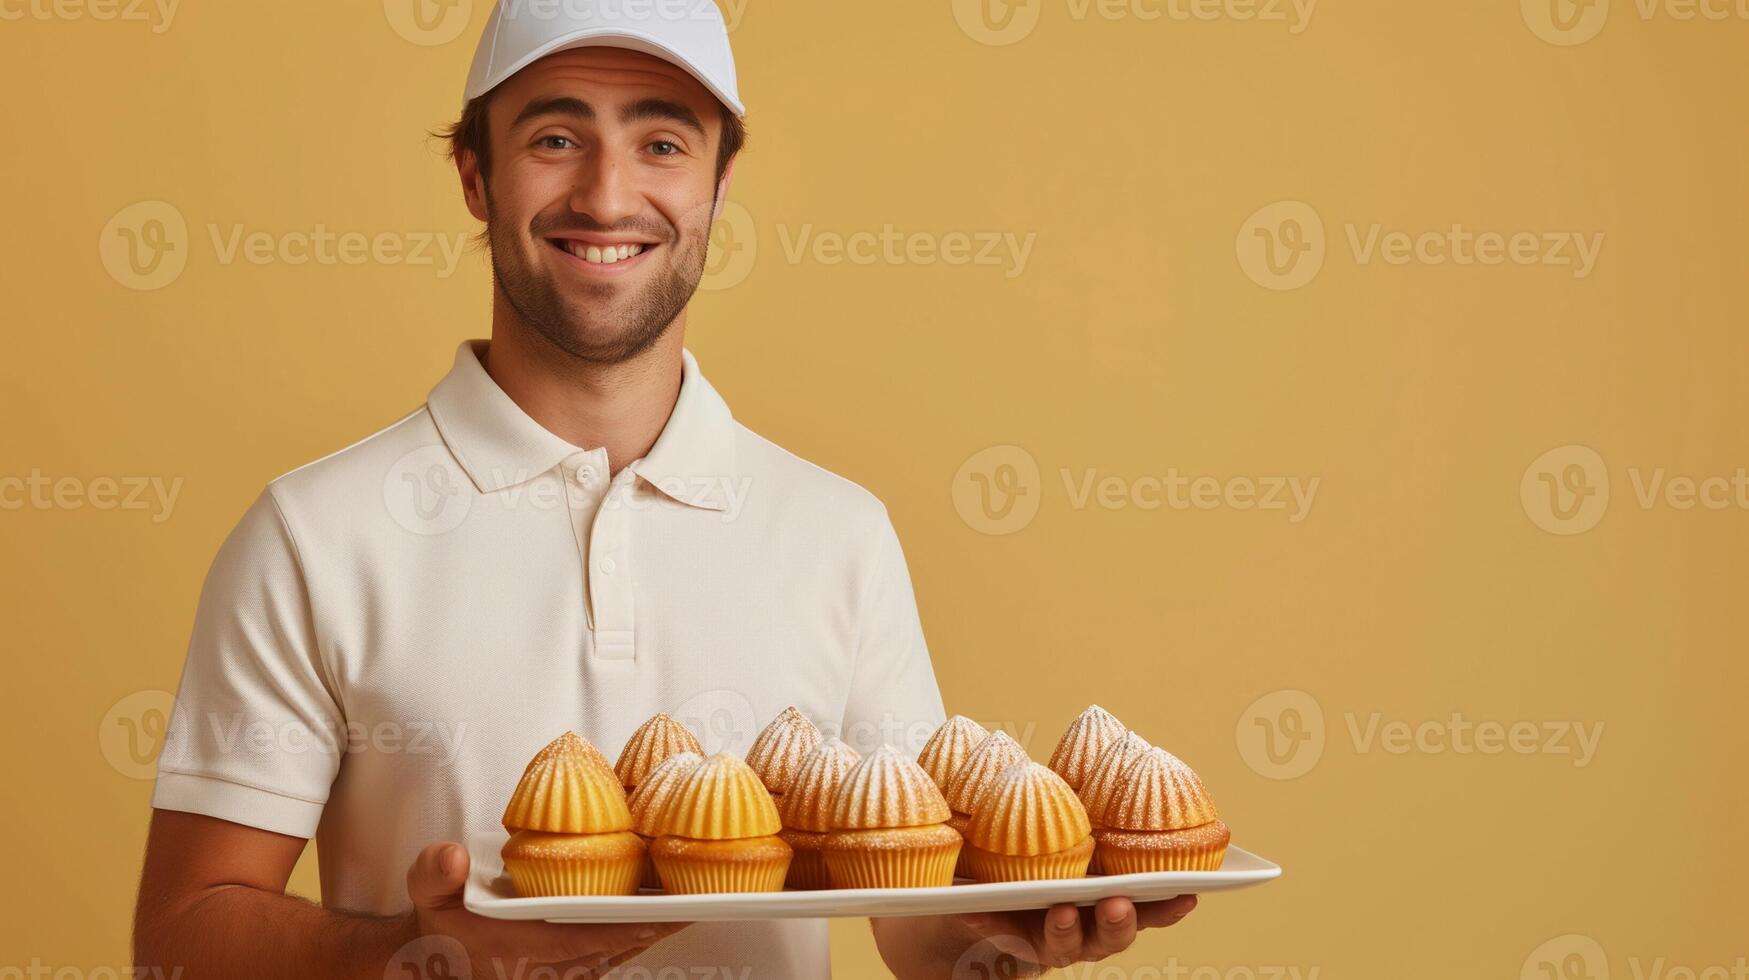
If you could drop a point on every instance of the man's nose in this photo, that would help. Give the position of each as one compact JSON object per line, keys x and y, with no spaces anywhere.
{"x":604,"y":191}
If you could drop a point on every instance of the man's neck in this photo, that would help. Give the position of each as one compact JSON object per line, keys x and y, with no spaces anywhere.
{"x":620,"y":407}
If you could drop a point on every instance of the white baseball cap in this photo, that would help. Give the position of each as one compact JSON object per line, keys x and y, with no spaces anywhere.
{"x":687,"y":33}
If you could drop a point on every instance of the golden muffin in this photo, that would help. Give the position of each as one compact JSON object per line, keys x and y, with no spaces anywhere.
{"x":719,"y":832}
{"x":648,"y":801}
{"x":1079,"y":748}
{"x":1029,"y":826}
{"x":1161,"y":818}
{"x":570,"y":742}
{"x":889,"y":827}
{"x":655,"y":740}
{"x":570,"y":829}
{"x":948,"y":748}
{"x":778,"y":751}
{"x":974,"y":776}
{"x":806,"y":811}
{"x":1108,"y":772}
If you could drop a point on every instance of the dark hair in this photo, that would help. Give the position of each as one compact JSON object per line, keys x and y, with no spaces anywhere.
{"x":471,"y":134}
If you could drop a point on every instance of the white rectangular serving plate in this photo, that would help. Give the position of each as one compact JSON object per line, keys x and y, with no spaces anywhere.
{"x":491,"y":894}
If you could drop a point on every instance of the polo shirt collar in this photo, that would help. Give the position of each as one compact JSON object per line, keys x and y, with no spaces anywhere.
{"x":498,"y":445}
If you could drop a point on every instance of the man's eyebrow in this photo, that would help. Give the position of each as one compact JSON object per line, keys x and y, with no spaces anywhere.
{"x":668,"y":109}
{"x":558,"y":105}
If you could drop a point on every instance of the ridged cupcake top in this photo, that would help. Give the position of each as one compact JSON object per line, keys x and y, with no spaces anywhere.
{"x":1097,"y":791}
{"x":720,"y":799}
{"x":569,"y":742}
{"x":885,"y":790}
{"x":808,"y":804}
{"x":1159,"y":792}
{"x":981,"y":768}
{"x":564,"y":791}
{"x":1029,"y":810}
{"x":947,"y":749}
{"x":1088,"y":736}
{"x":655,"y":740}
{"x":651,"y":797}
{"x":777,"y":753}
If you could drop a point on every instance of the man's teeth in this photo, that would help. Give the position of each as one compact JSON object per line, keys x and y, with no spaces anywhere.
{"x":600,"y":255}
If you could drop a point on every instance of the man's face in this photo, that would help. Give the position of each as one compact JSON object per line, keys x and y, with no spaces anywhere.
{"x":600,"y":197}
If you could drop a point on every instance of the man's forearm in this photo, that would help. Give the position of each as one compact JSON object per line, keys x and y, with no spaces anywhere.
{"x":239,"y":931}
{"x":922,"y":948}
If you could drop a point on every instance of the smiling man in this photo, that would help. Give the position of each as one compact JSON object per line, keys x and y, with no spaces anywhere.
{"x":572,"y":533}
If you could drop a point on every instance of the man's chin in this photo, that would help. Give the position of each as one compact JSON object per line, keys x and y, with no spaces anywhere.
{"x":596,"y":340}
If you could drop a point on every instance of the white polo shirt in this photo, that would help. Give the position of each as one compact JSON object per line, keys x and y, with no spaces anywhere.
{"x":392,"y":631}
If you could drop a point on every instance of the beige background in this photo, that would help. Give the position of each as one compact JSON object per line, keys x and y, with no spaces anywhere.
{"x":1146,"y":332}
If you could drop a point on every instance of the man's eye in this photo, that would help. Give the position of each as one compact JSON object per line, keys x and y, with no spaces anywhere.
{"x":664,"y":148}
{"x":556,"y":142}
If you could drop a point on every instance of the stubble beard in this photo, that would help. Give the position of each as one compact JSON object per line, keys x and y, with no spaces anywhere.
{"x":597,"y":323}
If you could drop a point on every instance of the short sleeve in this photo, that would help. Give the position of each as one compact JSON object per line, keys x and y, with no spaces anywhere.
{"x":256,"y":736}
{"x":893,"y":695}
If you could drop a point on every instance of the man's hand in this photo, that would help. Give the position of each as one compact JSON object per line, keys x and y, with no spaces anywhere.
{"x":213,"y":904}
{"x":1063,"y":934}
{"x":1019,"y":944}
{"x":435,"y":884}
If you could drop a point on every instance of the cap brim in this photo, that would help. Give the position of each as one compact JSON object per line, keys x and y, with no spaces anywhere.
{"x":609,"y":37}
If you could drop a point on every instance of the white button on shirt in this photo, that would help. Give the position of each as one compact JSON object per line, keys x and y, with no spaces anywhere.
{"x":392,"y":631}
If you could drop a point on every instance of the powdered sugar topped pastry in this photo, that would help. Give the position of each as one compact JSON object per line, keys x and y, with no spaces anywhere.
{"x":778,"y":751}
{"x":1088,"y":736}
{"x":948,"y":748}
{"x":655,"y":740}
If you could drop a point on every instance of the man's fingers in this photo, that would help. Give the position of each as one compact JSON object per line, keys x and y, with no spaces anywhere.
{"x":1154,"y":915}
{"x":1114,"y":928}
{"x":435,"y":880}
{"x":1061,"y":939}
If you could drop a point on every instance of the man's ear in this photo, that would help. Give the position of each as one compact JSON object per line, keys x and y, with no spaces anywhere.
{"x":723,"y":189}
{"x":467,"y":167}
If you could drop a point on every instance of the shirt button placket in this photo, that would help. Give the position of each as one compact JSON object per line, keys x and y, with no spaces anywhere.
{"x":610,"y":583}
{"x":584,"y":477}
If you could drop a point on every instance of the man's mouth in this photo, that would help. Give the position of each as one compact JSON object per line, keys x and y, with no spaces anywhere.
{"x":601,"y":254}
